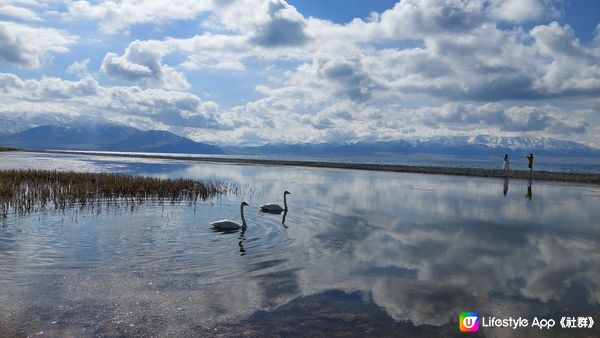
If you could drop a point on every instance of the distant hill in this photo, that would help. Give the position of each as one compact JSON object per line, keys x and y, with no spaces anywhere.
{"x":20,"y":122}
{"x":463,"y":146}
{"x":89,"y":135}
{"x":104,"y":136}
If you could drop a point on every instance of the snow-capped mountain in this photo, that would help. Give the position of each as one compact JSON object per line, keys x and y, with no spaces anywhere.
{"x":16,"y":127}
{"x":93,"y":135}
{"x":523,"y":142}
{"x":20,"y":122}
{"x":464,"y":146}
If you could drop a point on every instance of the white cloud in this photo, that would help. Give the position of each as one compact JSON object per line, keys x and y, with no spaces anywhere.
{"x":464,"y":56}
{"x":19,"y":13}
{"x":426,"y":67}
{"x":572,"y":68}
{"x":115,"y":16}
{"x":214,"y":51}
{"x":285,"y":27}
{"x":517,"y":10}
{"x":29,"y":47}
{"x":79,"y":68}
{"x":502,"y":118}
{"x":86,"y":97}
{"x":419,"y":18}
{"x":141,"y":63}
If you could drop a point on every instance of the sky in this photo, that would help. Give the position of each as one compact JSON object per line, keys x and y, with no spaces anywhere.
{"x":263,"y":71}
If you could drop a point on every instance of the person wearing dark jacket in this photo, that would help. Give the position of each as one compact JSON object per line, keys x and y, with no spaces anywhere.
{"x":530,"y":162}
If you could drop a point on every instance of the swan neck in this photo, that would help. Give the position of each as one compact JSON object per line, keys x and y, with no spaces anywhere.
{"x":285,"y":201}
{"x":242,"y":214}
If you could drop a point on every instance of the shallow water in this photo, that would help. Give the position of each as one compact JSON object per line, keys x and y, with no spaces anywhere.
{"x":544,"y":163}
{"x":362,"y":253}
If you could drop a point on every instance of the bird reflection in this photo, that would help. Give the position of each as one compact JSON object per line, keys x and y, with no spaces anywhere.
{"x":283,"y":218}
{"x":242,"y":238}
{"x":529,"y":194}
{"x":505,"y":190}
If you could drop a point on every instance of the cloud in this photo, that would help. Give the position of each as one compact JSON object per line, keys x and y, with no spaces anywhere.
{"x":29,"y":47}
{"x":142,"y":64}
{"x":284,"y":28}
{"x":419,"y":18}
{"x":213,"y":51}
{"x":79,"y":68}
{"x":572,"y":69}
{"x":428,"y":67}
{"x":517,"y":10}
{"x":86,"y":97}
{"x":545,"y":119}
{"x":19,"y":13}
{"x":351,"y":79}
{"x":115,"y":16}
{"x":8,"y":81}
{"x":464,"y":55}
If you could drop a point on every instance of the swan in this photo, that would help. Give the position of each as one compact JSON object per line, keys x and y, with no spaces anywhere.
{"x":276,"y":208}
{"x":231,"y":225}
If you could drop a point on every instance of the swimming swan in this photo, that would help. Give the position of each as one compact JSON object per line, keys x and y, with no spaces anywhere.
{"x":231,"y":225}
{"x":275,"y":208}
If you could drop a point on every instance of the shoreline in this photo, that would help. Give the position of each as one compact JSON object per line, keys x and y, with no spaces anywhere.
{"x":590,"y":178}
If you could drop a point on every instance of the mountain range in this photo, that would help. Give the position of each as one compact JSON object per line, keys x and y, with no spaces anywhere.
{"x":104,"y":136}
{"x":463,"y":146}
{"x":112,"y":137}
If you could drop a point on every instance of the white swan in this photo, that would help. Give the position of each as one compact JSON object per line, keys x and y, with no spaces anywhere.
{"x":231,"y":225}
{"x":276,"y":208}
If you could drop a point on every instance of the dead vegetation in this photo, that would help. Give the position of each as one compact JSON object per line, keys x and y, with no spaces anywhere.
{"x":26,"y":191}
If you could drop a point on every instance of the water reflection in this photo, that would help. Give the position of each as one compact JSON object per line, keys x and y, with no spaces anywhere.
{"x":285,"y":212}
{"x":421,"y":248}
{"x":505,"y":188}
{"x":242,"y":238}
{"x":529,"y":193}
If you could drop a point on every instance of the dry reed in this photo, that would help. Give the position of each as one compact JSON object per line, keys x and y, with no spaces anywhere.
{"x":26,"y":191}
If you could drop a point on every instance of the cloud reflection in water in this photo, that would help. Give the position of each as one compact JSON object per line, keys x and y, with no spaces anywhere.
{"x":422,"y":247}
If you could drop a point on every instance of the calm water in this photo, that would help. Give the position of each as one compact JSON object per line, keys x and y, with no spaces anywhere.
{"x":570,"y":165}
{"x":362,"y":253}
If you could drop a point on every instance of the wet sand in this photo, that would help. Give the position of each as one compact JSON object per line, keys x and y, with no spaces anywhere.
{"x":591,"y":178}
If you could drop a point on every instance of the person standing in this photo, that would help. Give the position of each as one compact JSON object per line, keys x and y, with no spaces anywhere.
{"x":530,"y":162}
{"x":506,"y":163}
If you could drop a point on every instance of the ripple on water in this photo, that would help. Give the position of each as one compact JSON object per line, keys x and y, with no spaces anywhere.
{"x":174,"y":240}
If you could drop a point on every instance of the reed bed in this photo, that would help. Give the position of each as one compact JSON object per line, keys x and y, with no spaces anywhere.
{"x":26,"y":191}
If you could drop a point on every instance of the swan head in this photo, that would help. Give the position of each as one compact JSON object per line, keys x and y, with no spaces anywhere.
{"x":287,"y":193}
{"x":244,"y":204}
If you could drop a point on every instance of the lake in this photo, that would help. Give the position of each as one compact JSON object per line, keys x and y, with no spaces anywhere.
{"x":359,"y":253}
{"x":544,"y":163}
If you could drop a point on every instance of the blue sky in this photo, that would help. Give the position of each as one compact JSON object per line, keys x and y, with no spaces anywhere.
{"x":258,"y":71}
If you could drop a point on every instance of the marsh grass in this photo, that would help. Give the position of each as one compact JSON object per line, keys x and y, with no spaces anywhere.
{"x":26,"y":191}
